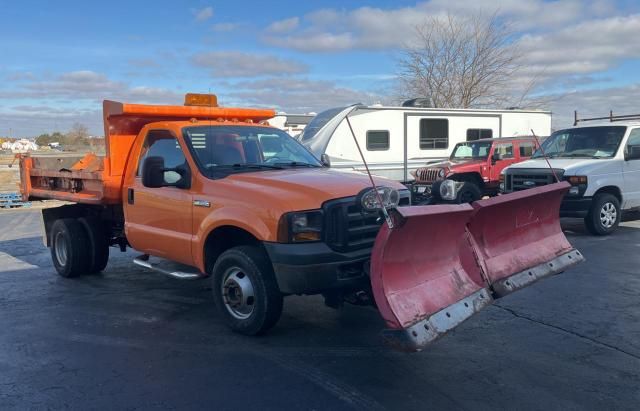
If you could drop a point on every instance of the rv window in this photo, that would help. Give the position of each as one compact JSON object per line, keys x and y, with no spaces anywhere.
{"x":478,"y":133}
{"x":526,"y":148}
{"x":377,"y":140}
{"x":434,"y":134}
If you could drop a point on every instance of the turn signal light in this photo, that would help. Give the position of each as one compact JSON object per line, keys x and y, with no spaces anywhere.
{"x":194,"y":99}
{"x":577,"y":180}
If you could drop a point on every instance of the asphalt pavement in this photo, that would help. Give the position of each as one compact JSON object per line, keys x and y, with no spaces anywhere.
{"x":132,"y":339}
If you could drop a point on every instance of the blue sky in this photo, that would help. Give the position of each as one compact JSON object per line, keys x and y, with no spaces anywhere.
{"x":60,"y":59}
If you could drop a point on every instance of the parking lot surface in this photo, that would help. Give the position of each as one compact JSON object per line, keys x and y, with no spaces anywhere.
{"x":133,"y":339}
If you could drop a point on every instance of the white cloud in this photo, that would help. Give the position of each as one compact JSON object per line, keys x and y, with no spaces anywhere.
{"x":224,"y":27}
{"x":331,"y":30}
{"x":203,"y":14}
{"x":297,"y":94}
{"x":239,"y":64}
{"x":284,"y":26}
{"x":595,"y":103}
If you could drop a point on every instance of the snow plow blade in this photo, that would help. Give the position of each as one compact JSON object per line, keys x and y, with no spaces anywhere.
{"x":424,"y":276}
{"x":518,"y":238}
{"x":441,"y":264}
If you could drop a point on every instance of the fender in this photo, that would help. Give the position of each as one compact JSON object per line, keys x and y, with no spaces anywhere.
{"x":231,"y":216}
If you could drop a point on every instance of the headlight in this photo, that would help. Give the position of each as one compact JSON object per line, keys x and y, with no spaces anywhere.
{"x":369,"y":199}
{"x":441,"y":173}
{"x":449,"y":190}
{"x":302,"y":226}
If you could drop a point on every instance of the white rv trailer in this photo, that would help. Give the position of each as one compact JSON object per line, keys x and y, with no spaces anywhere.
{"x":396,"y":140}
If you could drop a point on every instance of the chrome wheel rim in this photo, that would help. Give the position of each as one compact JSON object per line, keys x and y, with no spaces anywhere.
{"x":608,"y":215}
{"x":238,"y":293}
{"x":60,"y":248}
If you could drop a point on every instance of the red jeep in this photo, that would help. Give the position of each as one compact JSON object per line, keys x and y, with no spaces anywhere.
{"x":476,"y":165}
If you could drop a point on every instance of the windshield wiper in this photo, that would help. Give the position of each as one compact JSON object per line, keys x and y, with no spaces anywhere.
{"x":251,"y":166}
{"x":296,"y":164}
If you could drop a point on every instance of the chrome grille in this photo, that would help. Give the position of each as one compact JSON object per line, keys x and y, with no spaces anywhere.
{"x":522,"y":179}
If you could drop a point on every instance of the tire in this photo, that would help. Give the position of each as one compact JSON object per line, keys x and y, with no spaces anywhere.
{"x":468,"y":193}
{"x":604,"y":215}
{"x":69,"y":250}
{"x":239,"y":272}
{"x":99,"y":243}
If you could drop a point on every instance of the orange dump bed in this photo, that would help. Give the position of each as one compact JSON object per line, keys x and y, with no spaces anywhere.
{"x":94,"y":179}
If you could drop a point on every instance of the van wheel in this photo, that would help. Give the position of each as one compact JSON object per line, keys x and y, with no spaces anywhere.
{"x":245,"y":290}
{"x":98,"y":241}
{"x":604,"y":215}
{"x":69,"y":252}
{"x":468,"y":193}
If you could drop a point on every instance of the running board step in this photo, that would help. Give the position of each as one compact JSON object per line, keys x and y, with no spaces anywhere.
{"x":143,"y":261}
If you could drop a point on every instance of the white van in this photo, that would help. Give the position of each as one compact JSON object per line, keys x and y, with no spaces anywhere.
{"x":602,"y":163}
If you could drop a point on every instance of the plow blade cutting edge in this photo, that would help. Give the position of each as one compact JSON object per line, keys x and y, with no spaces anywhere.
{"x":442,"y":264}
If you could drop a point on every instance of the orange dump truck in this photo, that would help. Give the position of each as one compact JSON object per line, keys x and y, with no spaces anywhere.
{"x":206,"y":191}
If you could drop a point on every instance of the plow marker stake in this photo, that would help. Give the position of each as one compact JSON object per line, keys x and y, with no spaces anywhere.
{"x":442,"y":264}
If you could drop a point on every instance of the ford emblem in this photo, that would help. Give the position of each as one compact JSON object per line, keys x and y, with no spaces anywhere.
{"x":529,"y":183}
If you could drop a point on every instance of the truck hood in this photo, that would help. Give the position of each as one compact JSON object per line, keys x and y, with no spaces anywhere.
{"x":305,"y":188}
{"x":571,"y":166}
{"x":455,"y":163}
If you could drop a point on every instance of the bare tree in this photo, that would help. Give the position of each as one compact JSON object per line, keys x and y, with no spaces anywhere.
{"x":463,"y":62}
{"x":78,"y":134}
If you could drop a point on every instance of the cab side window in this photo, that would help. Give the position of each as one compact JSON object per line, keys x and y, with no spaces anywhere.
{"x":633,"y":143}
{"x":161,"y":143}
{"x":526,"y":148}
{"x":505,"y":150}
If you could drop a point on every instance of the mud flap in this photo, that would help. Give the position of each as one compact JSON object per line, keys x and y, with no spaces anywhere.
{"x":518,"y":238}
{"x":442,"y":264}
{"x":424,"y":276}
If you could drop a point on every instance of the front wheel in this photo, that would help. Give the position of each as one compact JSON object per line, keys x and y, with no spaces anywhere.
{"x":604,"y":215}
{"x":468,"y":193}
{"x":245,"y":290}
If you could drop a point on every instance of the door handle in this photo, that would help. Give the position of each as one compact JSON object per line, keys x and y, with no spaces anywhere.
{"x":130,"y":199}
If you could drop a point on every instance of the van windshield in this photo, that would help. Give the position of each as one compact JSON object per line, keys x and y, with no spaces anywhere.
{"x":477,"y":150}
{"x":228,"y":149}
{"x":583,"y":142}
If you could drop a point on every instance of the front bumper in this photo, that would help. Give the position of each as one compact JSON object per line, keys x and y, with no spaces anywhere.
{"x":575,"y":206}
{"x":311,"y":268}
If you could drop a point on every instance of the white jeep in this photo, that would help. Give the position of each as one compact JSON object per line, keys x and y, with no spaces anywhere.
{"x":602,"y":163}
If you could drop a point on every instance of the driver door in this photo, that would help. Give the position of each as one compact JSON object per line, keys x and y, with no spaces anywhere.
{"x":158,"y":220}
{"x":505,"y":159}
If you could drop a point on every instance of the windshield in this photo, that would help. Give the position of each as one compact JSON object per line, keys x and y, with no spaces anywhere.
{"x":477,"y":150}
{"x":588,"y":142}
{"x":220,"y":150}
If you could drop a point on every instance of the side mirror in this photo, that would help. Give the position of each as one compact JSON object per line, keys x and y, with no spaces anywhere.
{"x":153,"y":172}
{"x":632,"y":153}
{"x":325,"y":160}
{"x":495,"y":157}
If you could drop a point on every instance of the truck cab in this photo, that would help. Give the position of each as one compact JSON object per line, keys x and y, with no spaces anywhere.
{"x":476,"y":165}
{"x":600,"y":160}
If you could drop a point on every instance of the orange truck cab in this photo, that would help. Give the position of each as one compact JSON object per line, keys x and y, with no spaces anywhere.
{"x":201,"y":190}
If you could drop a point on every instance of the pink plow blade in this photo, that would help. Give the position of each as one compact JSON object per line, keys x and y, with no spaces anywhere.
{"x":424,"y":276}
{"x":442,"y":264}
{"x":518,"y":237}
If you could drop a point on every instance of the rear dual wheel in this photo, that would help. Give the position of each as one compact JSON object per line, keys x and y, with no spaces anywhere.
{"x":78,"y":246}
